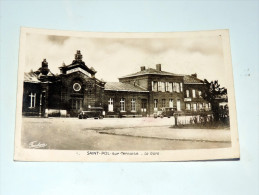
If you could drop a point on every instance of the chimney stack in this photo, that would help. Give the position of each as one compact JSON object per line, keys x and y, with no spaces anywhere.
{"x":44,"y":67}
{"x":158,"y":67}
{"x":142,"y":68}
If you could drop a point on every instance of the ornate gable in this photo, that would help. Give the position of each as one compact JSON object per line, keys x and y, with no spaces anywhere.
{"x":78,"y":65}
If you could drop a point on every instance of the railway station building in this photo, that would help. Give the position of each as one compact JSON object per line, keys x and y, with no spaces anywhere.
{"x":140,"y":94}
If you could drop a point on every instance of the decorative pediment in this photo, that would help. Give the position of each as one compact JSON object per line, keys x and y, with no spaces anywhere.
{"x":77,"y":65}
{"x":78,"y":69}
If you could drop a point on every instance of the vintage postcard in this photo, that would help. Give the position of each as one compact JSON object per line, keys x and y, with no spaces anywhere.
{"x":89,"y":96}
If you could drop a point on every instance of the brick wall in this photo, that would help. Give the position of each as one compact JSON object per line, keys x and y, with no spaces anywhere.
{"x":28,"y":89}
{"x":128,"y":96}
{"x":91,"y":92}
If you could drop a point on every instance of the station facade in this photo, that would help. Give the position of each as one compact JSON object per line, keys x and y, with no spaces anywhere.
{"x":139,"y":94}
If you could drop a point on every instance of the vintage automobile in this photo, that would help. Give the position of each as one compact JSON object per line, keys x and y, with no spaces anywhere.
{"x":94,"y":112}
{"x":165,"y":112}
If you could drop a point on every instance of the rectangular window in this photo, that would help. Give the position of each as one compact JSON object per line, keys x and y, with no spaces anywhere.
{"x":166,"y":86}
{"x":206,"y":107}
{"x":159,"y":86}
{"x":188,"y":106}
{"x":178,"y":87}
{"x":133,"y":105}
{"x":178,"y":105}
{"x":209,"y":106}
{"x":122,"y":104}
{"x":155,"y":104}
{"x":194,"y":107}
{"x":199,"y":92}
{"x":154,"y":86}
{"x":163,"y":86}
{"x":171,"y":103}
{"x":170,"y":87}
{"x":163,"y":103}
{"x":181,"y":87}
{"x":201,"y":106}
{"x":193,"y":93}
{"x":110,"y":105}
{"x":32,"y":100}
{"x":187,"y":93}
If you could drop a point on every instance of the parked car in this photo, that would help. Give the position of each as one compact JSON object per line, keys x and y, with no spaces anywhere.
{"x":165,"y":112}
{"x":94,"y":112}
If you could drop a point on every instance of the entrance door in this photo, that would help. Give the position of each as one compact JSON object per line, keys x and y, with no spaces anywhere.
{"x":144,"y":107}
{"x":77,"y":105}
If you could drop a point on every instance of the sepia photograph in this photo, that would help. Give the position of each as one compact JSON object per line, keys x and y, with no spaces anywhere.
{"x":85,"y":96}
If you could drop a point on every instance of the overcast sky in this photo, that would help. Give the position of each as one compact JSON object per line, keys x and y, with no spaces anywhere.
{"x":116,"y":57}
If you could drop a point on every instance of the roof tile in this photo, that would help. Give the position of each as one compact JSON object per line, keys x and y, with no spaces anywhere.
{"x":151,"y":71}
{"x":118,"y":86}
{"x":191,"y":80}
{"x":31,"y":77}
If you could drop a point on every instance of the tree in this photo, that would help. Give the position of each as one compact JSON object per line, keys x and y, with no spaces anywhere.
{"x":213,"y":92}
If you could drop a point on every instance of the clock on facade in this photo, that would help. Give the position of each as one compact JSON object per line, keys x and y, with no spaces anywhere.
{"x":77,"y":87}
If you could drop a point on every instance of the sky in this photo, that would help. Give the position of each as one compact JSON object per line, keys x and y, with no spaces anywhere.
{"x":116,"y":57}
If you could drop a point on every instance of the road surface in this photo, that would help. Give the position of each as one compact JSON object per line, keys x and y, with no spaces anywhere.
{"x":111,"y":134}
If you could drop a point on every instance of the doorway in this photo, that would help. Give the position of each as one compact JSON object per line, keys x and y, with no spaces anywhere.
{"x":144,"y":107}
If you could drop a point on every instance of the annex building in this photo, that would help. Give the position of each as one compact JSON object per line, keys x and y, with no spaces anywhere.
{"x":142,"y":93}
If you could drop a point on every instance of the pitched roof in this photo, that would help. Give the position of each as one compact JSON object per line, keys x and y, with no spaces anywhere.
{"x":151,"y":71}
{"x":118,"y":86}
{"x":31,"y":77}
{"x":187,"y":79}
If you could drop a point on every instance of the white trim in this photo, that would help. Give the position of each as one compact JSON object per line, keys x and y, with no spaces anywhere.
{"x":78,"y":69}
{"x":123,"y":100}
{"x":33,"y":100}
{"x":77,"y":85}
{"x":110,"y":105}
{"x":133,"y":102}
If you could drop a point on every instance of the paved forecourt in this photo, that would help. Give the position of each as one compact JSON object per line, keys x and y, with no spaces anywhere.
{"x":118,"y":134}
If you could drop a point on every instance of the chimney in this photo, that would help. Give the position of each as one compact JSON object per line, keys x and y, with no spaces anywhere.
{"x":44,"y":67}
{"x":194,"y":75}
{"x":142,"y":68}
{"x":158,"y":67}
